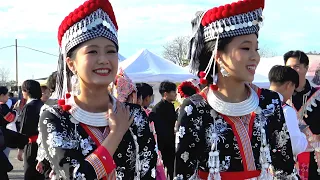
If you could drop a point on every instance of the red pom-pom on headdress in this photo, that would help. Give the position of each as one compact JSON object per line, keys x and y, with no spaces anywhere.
{"x":84,"y":10}
{"x":184,"y":85}
{"x":228,"y":10}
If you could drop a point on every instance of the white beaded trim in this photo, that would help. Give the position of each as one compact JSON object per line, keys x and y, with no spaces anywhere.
{"x":232,"y":23}
{"x":96,"y":18}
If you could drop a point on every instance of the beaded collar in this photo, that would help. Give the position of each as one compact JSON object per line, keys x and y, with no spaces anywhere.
{"x":234,"y":109}
{"x":90,"y":118}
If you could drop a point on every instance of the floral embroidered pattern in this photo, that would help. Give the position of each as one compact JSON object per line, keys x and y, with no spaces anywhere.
{"x":188,"y":110}
{"x":196,"y":137}
{"x":85,"y":146}
{"x":185,"y":156}
{"x":67,"y":145}
{"x":282,"y":136}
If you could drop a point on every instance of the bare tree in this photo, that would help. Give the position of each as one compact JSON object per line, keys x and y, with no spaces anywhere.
{"x":4,"y":76}
{"x":176,"y":50}
{"x":267,"y":52}
{"x":313,"y":53}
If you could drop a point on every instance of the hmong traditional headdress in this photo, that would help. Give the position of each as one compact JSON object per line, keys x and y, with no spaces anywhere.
{"x":123,"y":86}
{"x":185,"y":87}
{"x":239,"y":18}
{"x":94,"y":18}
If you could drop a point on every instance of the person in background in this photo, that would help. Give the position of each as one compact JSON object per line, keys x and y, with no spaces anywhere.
{"x":285,"y":80}
{"x":7,"y":115}
{"x":13,"y":99}
{"x":51,"y":84}
{"x":31,"y":91}
{"x":43,"y":165}
{"x":10,"y":139}
{"x":185,"y":90}
{"x":124,"y":89}
{"x":18,"y":106}
{"x":9,"y":103}
{"x":164,"y":116}
{"x":145,"y":96}
{"x":306,"y":101}
{"x":45,"y":93}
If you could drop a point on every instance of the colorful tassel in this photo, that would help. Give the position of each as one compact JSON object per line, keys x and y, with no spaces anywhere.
{"x":68,"y":95}
{"x":213,"y":87}
{"x":66,"y":107}
{"x":61,"y":102}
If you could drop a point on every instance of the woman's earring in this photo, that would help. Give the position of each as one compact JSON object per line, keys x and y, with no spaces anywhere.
{"x":223,"y":71}
{"x":75,"y":84}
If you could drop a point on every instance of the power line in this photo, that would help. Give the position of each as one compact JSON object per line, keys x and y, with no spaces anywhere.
{"x":30,"y":49}
{"x":7,"y":47}
{"x":39,"y":51}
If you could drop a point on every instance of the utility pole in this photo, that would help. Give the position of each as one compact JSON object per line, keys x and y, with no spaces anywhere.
{"x":16,"y":44}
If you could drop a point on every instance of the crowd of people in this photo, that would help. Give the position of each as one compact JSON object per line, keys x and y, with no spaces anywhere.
{"x":90,"y":121}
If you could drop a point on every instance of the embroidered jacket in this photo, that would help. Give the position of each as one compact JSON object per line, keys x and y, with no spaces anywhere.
{"x":238,"y":145}
{"x":75,"y":155}
{"x":307,"y":105}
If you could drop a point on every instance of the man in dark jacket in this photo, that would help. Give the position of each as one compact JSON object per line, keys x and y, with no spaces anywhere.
{"x":164,"y":117}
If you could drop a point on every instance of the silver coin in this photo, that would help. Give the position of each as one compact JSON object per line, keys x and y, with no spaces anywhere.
{"x":89,"y":27}
{"x":254,"y":22}
{"x":245,"y":24}
{"x":104,"y":23}
{"x":79,"y":32}
{"x":108,"y":25}
{"x":84,"y":29}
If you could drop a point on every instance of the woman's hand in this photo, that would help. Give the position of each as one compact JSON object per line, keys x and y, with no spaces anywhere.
{"x":119,"y":119}
{"x":119,"y":122}
{"x":20,"y":154}
{"x":39,"y":167}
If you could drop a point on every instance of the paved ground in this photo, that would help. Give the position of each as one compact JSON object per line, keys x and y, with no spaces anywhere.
{"x":17,"y":172}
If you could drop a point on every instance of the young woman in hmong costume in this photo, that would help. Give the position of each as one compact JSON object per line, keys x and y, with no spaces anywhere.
{"x":89,"y":134}
{"x":232,"y":130}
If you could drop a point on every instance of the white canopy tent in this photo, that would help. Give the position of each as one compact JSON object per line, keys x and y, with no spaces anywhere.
{"x":144,"y":66}
{"x":120,"y":57}
{"x":261,"y":77}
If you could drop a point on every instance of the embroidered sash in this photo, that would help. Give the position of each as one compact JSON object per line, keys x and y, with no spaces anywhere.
{"x":244,"y":139}
{"x":97,"y":136}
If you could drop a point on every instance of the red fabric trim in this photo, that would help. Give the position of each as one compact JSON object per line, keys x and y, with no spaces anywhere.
{"x":242,"y":175}
{"x":106,"y":159}
{"x":33,"y":139}
{"x":9,"y":117}
{"x":241,"y":148}
{"x":303,"y":162}
{"x":101,"y":152}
